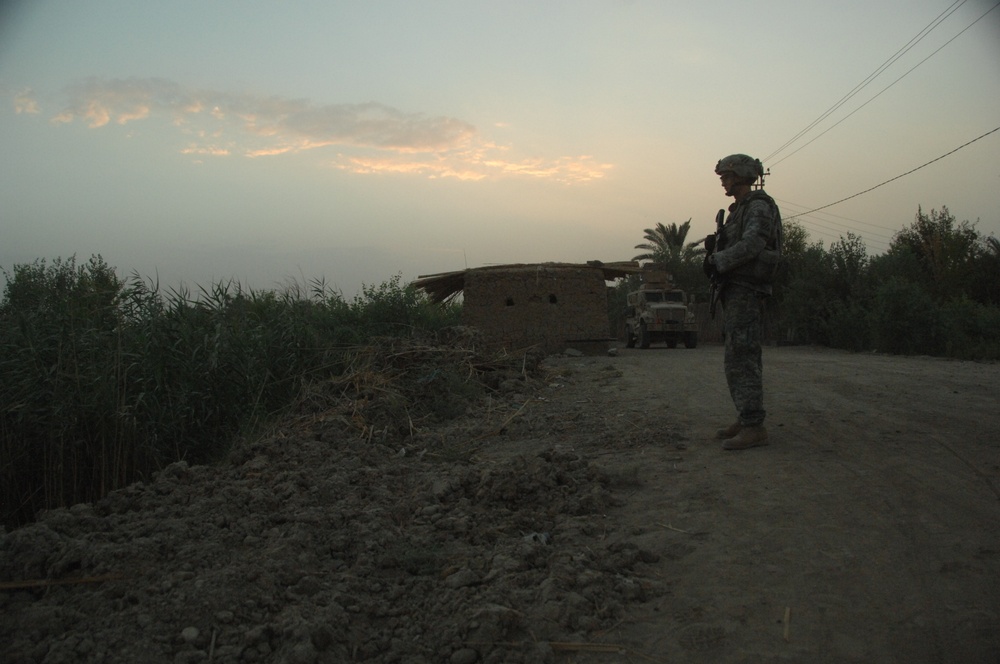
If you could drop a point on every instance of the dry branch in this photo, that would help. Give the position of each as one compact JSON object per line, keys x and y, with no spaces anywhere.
{"x":45,"y":583}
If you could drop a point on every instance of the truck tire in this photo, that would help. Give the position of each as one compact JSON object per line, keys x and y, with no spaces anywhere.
{"x":643,"y":336}
{"x":629,"y":337}
{"x":690,"y":339}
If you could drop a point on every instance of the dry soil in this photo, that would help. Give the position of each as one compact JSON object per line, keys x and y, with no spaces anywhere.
{"x":579,"y":513}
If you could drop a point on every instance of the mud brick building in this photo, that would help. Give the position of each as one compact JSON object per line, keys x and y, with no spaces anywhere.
{"x":551,"y":305}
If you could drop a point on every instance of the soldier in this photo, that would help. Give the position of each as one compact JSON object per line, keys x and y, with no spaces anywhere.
{"x":742,"y":259}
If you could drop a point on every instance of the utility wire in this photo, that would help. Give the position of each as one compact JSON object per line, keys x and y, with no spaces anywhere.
{"x":818,"y":226}
{"x":840,"y":229}
{"x":834,"y":233}
{"x":860,"y":193}
{"x":871,"y":77}
{"x":822,"y":230}
{"x":826,"y":226}
{"x":797,"y":206}
{"x":888,"y":86}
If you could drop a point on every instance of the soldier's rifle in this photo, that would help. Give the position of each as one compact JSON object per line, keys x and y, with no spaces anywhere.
{"x":711,"y":245}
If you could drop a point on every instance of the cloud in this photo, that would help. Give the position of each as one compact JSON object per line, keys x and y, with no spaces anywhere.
{"x":24,"y":102}
{"x":378,"y":126}
{"x":369,"y":137}
{"x":430,"y":168}
{"x":566,"y":170}
{"x":100,"y":101}
{"x":210,"y":150}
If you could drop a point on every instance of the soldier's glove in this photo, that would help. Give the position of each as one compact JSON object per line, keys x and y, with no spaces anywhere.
{"x":710,"y":243}
{"x":708,"y":266}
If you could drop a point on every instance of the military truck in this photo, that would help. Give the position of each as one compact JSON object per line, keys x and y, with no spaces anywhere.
{"x":659,"y":313}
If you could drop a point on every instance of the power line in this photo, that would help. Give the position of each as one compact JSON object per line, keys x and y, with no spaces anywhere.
{"x":869,"y":239}
{"x":833,"y":235}
{"x":881,"y":239}
{"x":888,"y":86}
{"x":833,"y":226}
{"x":853,"y":221}
{"x":871,"y":77}
{"x":860,"y":193}
{"x":819,"y":227}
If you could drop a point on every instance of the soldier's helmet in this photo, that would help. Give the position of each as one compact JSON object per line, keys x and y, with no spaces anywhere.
{"x":744,"y":166}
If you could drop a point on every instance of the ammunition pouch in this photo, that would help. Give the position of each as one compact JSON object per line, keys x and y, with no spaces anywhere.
{"x":766,"y":266}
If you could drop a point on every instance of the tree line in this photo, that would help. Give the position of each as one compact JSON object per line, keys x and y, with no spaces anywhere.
{"x":935,"y":291}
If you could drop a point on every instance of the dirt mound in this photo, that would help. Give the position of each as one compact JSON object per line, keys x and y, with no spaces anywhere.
{"x":322,"y":544}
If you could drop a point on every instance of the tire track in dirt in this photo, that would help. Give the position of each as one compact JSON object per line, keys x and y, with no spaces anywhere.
{"x":870,"y":518}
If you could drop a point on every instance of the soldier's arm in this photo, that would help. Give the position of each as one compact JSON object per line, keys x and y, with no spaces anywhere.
{"x":757,"y":228}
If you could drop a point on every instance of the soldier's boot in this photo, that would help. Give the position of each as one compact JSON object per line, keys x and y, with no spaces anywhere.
{"x":748,"y":437}
{"x":729,"y":432}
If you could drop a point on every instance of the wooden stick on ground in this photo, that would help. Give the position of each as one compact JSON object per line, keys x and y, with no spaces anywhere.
{"x":45,"y":583}
{"x":566,"y":646}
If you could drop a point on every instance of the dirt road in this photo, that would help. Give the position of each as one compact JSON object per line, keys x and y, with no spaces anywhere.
{"x":580,"y":513}
{"x":867,"y":531}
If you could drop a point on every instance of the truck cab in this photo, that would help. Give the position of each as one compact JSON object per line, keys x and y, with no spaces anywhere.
{"x":659,"y":313}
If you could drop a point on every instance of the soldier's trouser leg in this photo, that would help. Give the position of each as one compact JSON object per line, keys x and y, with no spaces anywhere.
{"x":743,"y":311}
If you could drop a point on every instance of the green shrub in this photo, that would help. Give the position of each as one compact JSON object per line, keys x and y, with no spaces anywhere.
{"x":391,"y":309}
{"x":971,"y":330}
{"x":103,"y":381}
{"x":905,"y":320}
{"x":846,"y":325}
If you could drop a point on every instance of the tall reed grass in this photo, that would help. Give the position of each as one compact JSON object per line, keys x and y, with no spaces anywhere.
{"x":104,"y":380}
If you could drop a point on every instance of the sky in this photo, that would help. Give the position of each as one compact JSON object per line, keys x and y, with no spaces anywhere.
{"x":350,"y":142}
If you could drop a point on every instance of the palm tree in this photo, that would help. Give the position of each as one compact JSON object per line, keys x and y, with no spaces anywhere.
{"x":667,"y":248}
{"x":664,"y":244}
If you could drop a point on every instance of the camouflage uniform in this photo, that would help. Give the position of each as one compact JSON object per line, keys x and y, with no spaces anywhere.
{"x":745,"y":271}
{"x":743,"y":310}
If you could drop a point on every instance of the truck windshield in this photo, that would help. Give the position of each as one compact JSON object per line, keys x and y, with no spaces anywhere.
{"x":653,"y":296}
